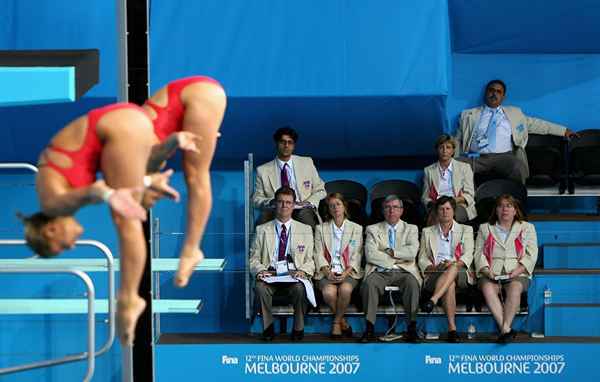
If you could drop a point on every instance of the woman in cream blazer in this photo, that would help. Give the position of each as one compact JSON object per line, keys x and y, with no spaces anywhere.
{"x":338,"y":254}
{"x":505,"y":254}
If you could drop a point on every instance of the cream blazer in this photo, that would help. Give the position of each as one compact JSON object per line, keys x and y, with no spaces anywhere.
{"x":506,"y":256}
{"x":462,"y":179}
{"x":352,"y":242}
{"x":461,"y":235}
{"x":300,"y":247}
{"x":521,"y":126}
{"x":405,"y":252}
{"x":310,"y":186}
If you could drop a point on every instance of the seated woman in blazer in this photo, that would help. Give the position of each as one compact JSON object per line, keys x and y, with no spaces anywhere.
{"x":505,"y":254}
{"x":338,"y":254}
{"x":449,"y":177}
{"x":445,"y":255}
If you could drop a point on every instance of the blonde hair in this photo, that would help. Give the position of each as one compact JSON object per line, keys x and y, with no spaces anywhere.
{"x":340,"y":197}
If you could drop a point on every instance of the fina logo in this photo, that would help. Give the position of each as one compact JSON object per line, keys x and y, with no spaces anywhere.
{"x":429,"y":360}
{"x":227,"y":360}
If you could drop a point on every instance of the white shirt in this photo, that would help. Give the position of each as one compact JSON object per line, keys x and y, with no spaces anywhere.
{"x":445,"y":180}
{"x":290,"y":174}
{"x":336,"y":241}
{"x":444,"y":246}
{"x":501,"y":232}
{"x":288,"y":227}
{"x":503,"y":132}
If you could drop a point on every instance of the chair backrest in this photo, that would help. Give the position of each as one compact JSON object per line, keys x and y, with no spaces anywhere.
{"x":486,"y":194}
{"x":356,"y":198}
{"x":405,"y":190}
{"x":350,"y":189}
{"x":546,"y":158}
{"x":584,"y":157}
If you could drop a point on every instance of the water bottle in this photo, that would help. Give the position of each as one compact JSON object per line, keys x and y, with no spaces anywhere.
{"x":471,"y":331}
{"x":547,"y":295}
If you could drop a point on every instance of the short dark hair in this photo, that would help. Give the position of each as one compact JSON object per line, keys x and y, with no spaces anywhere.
{"x":519,"y":215}
{"x":499,"y":82}
{"x":443,"y":139}
{"x":285,"y":190}
{"x":34,"y":224}
{"x":443,"y":200}
{"x":285,"y":130}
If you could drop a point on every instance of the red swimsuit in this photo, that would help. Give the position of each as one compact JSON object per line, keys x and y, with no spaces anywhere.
{"x":169,"y":119}
{"x":86,"y":160}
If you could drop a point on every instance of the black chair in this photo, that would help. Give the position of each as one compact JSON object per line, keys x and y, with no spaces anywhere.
{"x":547,"y":158}
{"x":486,"y":194}
{"x":355,"y":195}
{"x":584,"y":158}
{"x":410,"y":194}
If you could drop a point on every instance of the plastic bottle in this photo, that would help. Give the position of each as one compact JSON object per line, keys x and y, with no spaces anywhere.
{"x":547,"y":295}
{"x":471,"y":331}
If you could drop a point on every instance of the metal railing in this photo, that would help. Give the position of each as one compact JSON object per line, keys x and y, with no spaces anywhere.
{"x":111,"y":301}
{"x":248,"y":229}
{"x":19,"y":166}
{"x":91,"y":325}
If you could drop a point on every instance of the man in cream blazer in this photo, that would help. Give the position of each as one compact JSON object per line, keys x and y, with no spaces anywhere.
{"x":507,"y":154}
{"x":298,"y":172}
{"x":390,"y":251}
{"x":286,"y":243}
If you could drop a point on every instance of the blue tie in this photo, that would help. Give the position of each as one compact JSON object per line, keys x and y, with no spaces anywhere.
{"x":392,"y":238}
{"x":491,"y":130}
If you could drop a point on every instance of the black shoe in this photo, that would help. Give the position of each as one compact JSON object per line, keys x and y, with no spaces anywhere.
{"x":411,"y":334}
{"x":369,"y":334}
{"x":453,"y":337}
{"x":506,"y":338}
{"x":347,"y":332}
{"x":571,"y":187}
{"x":297,"y":335}
{"x":428,"y":306}
{"x":268,"y":334}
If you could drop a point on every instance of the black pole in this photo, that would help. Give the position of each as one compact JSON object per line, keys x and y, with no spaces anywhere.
{"x":138,"y":79}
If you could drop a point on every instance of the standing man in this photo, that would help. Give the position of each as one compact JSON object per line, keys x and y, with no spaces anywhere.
{"x":493,"y":137}
{"x":391,"y":249}
{"x":282,"y":247}
{"x":296,"y":172}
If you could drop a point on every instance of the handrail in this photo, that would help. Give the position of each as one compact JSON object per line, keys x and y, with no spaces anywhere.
{"x":19,"y":165}
{"x":90,"y":354}
{"x":111,"y":283}
{"x":248,"y":226}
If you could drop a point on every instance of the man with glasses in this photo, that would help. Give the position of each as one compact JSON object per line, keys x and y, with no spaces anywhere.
{"x":282,"y":247}
{"x":294,"y":171}
{"x":390,"y":250}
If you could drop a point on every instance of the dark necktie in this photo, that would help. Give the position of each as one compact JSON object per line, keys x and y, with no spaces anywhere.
{"x":282,"y":243}
{"x":285,"y":181}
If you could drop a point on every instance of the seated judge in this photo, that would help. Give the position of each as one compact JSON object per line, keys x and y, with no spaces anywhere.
{"x":492,"y":137}
{"x":505,"y":254}
{"x":445,"y":255}
{"x":338,"y":256}
{"x":294,"y":171}
{"x":282,"y":246}
{"x":391,"y":248}
{"x":449,"y":177}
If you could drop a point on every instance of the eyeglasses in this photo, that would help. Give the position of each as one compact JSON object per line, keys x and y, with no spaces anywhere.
{"x":392,"y":207}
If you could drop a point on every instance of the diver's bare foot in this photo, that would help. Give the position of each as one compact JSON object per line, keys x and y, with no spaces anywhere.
{"x":128,"y":312}
{"x":187,"y":263}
